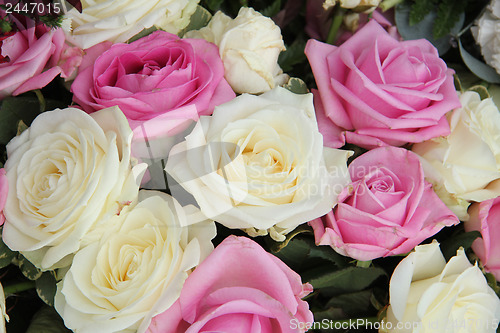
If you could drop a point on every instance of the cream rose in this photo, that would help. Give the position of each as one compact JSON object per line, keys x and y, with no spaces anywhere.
{"x":67,"y":174}
{"x":258,"y":163}
{"x":249,"y":46}
{"x":119,"y":20}
{"x":3,"y":311}
{"x":137,"y":269}
{"x":486,"y":32}
{"x":463,"y":165}
{"x":426,"y":294}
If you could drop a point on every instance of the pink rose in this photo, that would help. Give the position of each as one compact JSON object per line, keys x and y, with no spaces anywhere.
{"x":33,"y":56}
{"x":485,"y":218}
{"x":239,"y":287}
{"x":388,"y":208}
{"x":375,"y":90}
{"x":4,"y":188}
{"x":160,"y":77}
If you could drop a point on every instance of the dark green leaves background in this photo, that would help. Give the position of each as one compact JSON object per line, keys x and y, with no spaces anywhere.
{"x":343,"y":288}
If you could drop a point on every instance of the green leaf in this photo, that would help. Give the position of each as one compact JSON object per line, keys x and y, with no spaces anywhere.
{"x":294,"y":54}
{"x":143,"y":33}
{"x":349,"y":279}
{"x":296,"y":86}
{"x":379,"y":299}
{"x":272,"y":9}
{"x":46,"y":287}
{"x":479,"y":68}
{"x":448,"y":15}
{"x":330,"y":313}
{"x":481,"y":90}
{"x":294,"y":254}
{"x":327,"y":253}
{"x":14,"y":109}
{"x":51,"y":104}
{"x":6,"y":254}
{"x":419,"y":10}
{"x":4,"y":24}
{"x":457,"y":83}
{"x":21,"y":127}
{"x":300,"y":251}
{"x":492,"y":282}
{"x":199,"y":19}
{"x":364,"y":264}
{"x":51,"y":21}
{"x":450,"y":246}
{"x":278,"y":246}
{"x":47,"y":320}
{"x":41,"y":99}
{"x":27,"y":268}
{"x":26,"y":108}
{"x":424,"y":29}
{"x":464,"y":78}
{"x":352,"y":304}
{"x":213,"y":5}
{"x":494,"y":91}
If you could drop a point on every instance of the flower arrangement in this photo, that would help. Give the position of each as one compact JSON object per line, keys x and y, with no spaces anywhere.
{"x":249,"y":166}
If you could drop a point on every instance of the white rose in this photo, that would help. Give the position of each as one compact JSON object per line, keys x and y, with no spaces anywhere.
{"x":486,"y":32}
{"x":119,"y":20}
{"x":426,"y":294}
{"x":249,"y":47}
{"x":258,"y":163}
{"x":137,"y":269}
{"x":463,"y":165}
{"x":67,"y":174}
{"x":3,"y":311}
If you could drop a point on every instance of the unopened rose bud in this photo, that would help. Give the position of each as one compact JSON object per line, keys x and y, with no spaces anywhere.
{"x":249,"y":46}
{"x":359,"y":5}
{"x":351,"y":21}
{"x":349,"y":3}
{"x":327,"y":4}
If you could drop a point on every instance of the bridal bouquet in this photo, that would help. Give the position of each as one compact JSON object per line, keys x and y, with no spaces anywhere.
{"x":249,"y":166}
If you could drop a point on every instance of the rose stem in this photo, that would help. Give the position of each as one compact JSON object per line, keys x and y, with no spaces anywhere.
{"x":18,"y":287}
{"x":388,"y":4}
{"x":336,"y":23}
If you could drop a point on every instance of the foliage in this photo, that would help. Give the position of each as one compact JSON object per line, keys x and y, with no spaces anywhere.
{"x":343,"y":287}
{"x":448,"y":14}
